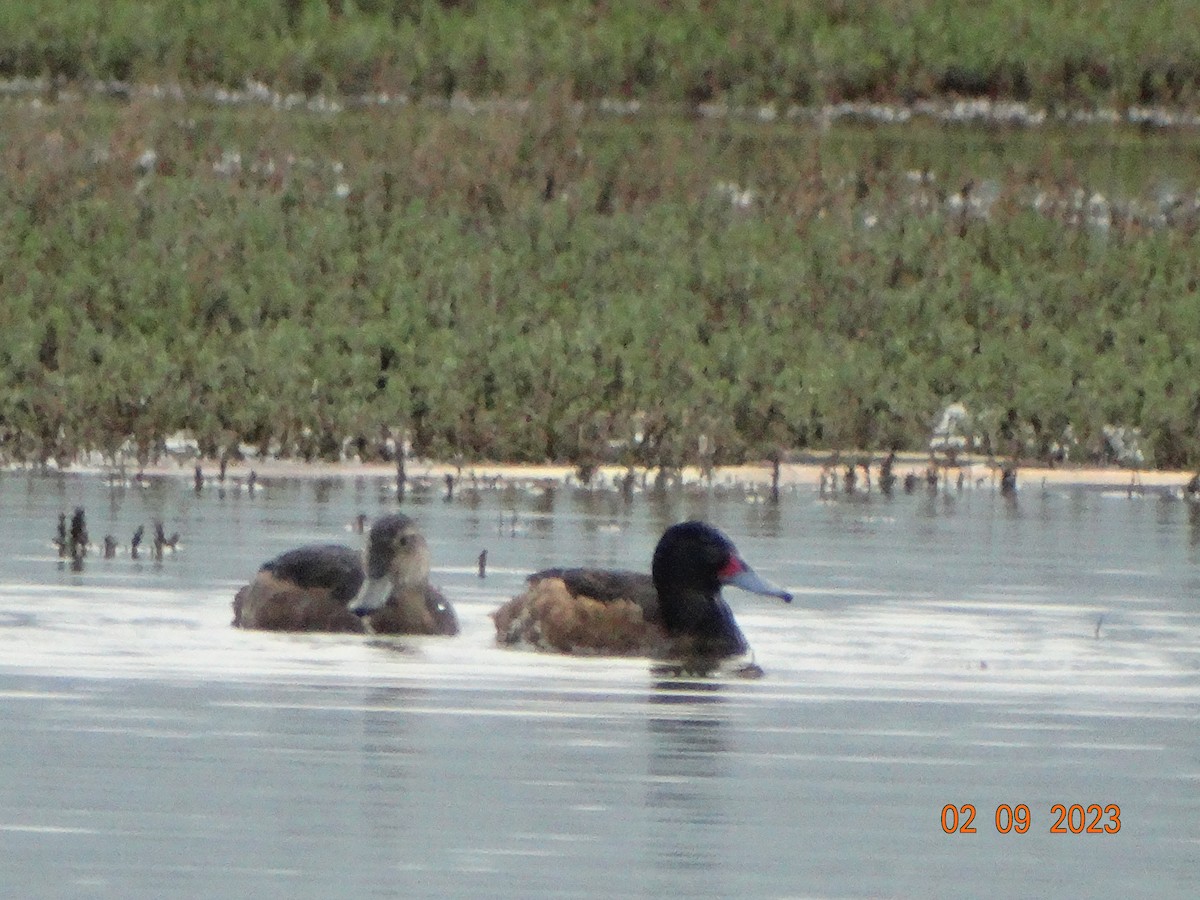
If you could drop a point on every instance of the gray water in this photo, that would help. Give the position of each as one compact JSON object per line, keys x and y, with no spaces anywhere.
{"x":958,"y":649}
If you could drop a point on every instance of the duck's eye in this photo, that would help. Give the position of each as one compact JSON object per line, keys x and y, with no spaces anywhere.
{"x":404,"y":541}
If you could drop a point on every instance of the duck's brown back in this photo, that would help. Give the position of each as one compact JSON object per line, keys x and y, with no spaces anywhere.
{"x":607,"y":586}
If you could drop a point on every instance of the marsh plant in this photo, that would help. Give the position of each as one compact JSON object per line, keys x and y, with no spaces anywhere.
{"x":541,"y":284}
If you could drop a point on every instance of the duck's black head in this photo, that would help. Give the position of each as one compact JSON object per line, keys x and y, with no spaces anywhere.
{"x":692,"y":555}
{"x":691,"y":562}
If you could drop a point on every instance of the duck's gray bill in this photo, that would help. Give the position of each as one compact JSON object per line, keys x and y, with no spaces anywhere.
{"x":748,"y":580}
{"x":371,"y":596}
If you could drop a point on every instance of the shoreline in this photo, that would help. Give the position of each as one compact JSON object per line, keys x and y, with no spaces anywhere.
{"x":754,"y":476}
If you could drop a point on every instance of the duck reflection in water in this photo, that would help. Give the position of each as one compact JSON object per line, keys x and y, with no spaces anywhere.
{"x":675,"y":613}
{"x":327,"y":587}
{"x":689,"y":768}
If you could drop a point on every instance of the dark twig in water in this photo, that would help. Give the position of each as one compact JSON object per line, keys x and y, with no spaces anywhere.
{"x":887,"y":478}
{"x":136,"y":542}
{"x":162,"y":542}
{"x":79,"y":535}
{"x":483,"y":564}
{"x":1008,"y":479}
{"x":627,"y":484}
{"x":1192,"y":488}
{"x":1099,"y":622}
{"x":401,"y":474}
{"x":110,"y":546}
{"x":60,"y":538}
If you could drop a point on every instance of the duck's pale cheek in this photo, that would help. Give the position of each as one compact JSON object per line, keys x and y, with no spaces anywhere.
{"x":371,"y":596}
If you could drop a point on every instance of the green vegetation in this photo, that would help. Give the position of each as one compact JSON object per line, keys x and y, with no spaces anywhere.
{"x":544,"y":285}
{"x":1111,"y":52}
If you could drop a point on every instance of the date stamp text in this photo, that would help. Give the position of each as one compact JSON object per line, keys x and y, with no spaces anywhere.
{"x":1076,"y":818}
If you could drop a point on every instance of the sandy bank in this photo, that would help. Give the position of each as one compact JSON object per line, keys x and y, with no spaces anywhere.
{"x":976,"y":472}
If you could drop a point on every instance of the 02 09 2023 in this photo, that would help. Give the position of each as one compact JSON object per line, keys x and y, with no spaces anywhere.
{"x":1075,"y":818}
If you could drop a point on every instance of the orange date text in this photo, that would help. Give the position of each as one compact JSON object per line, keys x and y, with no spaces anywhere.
{"x":1075,"y":818}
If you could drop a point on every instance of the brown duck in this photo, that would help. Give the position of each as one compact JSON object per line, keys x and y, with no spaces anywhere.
{"x":328,"y":587}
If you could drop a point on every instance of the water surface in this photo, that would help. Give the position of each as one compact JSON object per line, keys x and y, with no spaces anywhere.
{"x":960,"y":649}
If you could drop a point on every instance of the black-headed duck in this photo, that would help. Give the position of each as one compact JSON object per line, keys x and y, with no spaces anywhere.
{"x":328,"y":587}
{"x":675,"y":612}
